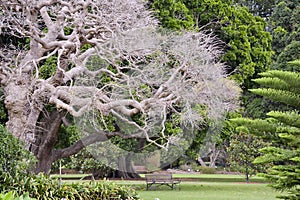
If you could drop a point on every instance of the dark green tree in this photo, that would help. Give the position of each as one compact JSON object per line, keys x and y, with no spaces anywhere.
{"x":247,"y":45}
{"x":248,"y":48}
{"x":289,"y":53}
{"x":243,"y":150}
{"x":258,"y":7}
{"x":173,"y":14}
{"x":282,"y":129}
{"x":284,"y":24}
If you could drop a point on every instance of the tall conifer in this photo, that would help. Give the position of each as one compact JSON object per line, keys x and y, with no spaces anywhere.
{"x":282,"y":128}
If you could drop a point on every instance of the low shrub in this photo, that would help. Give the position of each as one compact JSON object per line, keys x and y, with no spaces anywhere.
{"x":185,"y":167}
{"x":43,"y":187}
{"x":15,"y":179}
{"x":99,"y":190}
{"x":206,"y":170}
{"x":12,"y":196}
{"x":15,"y":160}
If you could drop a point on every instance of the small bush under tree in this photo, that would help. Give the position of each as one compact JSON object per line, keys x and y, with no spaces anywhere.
{"x":16,"y":181}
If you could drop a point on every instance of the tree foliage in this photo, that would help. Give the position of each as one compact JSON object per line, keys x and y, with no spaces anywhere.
{"x":243,"y":150}
{"x":284,"y":26}
{"x":260,"y":8}
{"x":248,"y":47}
{"x":173,"y":14}
{"x":282,"y":129}
{"x":288,"y":51}
{"x":15,"y":160}
{"x":280,"y":86}
{"x":286,"y":59}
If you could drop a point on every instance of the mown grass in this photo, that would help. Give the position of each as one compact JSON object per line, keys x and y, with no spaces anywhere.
{"x":216,"y":178}
{"x":211,"y":191}
{"x":211,"y":187}
{"x":195,"y":177}
{"x":71,"y":176}
{"x":202,"y":187}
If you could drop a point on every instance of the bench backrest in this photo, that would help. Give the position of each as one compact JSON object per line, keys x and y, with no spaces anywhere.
{"x":158,"y":177}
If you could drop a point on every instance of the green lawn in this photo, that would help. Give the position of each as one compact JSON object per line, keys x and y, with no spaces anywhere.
{"x":203,"y":187}
{"x":195,"y":177}
{"x":71,"y":176}
{"x":216,"y":177}
{"x":211,"y":187}
{"x":212,"y":191}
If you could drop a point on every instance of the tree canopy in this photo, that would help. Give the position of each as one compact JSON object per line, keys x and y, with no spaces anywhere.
{"x":95,"y":59}
{"x":243,"y":150}
{"x":260,"y":8}
{"x":284,"y":26}
{"x":247,"y":44}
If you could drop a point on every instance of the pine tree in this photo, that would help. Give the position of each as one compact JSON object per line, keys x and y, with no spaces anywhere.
{"x":282,"y":129}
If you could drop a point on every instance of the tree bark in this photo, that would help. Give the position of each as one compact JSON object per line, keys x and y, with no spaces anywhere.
{"x":125,"y":168}
{"x":17,"y":92}
{"x":46,"y":138}
{"x":202,"y":163}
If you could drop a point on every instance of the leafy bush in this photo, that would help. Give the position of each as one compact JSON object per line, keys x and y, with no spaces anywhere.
{"x":206,"y":170}
{"x":11,"y":196}
{"x":43,"y":187}
{"x":98,"y":190}
{"x":15,"y":160}
{"x":14,"y":176}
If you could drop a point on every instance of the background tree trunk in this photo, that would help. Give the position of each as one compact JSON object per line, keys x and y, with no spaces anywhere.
{"x":202,"y":163}
{"x":125,"y":168}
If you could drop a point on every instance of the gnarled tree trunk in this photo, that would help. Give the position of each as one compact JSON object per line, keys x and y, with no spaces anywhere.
{"x":125,"y":168}
{"x":46,"y":138}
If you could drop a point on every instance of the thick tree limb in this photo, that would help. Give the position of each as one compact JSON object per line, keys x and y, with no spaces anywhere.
{"x":101,"y":136}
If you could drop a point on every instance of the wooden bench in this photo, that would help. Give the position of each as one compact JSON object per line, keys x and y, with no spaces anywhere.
{"x":161,"y":179}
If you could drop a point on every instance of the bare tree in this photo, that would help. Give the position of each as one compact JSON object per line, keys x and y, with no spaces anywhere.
{"x":151,"y":72}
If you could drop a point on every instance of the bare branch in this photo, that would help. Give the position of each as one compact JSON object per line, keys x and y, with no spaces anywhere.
{"x":97,"y":58}
{"x":100,"y":136}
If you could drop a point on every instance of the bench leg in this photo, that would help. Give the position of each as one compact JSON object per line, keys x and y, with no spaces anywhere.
{"x":149,"y":185}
